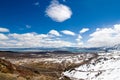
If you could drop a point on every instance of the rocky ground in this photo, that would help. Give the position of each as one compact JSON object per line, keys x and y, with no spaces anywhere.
{"x":59,"y":66}
{"x":104,"y":67}
{"x":40,"y":65}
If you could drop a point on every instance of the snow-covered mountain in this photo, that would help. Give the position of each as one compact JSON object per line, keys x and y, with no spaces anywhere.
{"x":116,"y":47}
{"x":105,"y":67}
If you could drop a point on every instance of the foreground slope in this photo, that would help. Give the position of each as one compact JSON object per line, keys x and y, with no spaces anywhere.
{"x":104,"y":67}
{"x":40,"y":66}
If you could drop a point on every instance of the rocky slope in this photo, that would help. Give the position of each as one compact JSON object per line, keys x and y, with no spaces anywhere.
{"x":46,"y":67}
{"x":9,"y":71}
{"x":104,"y":67}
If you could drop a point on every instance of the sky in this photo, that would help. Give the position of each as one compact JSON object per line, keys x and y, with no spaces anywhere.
{"x":59,"y":23}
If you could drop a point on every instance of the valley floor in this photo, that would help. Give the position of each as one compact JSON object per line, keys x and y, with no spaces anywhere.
{"x":59,"y":66}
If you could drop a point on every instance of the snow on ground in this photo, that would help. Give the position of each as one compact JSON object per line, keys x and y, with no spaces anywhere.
{"x":104,"y":67}
{"x":76,"y":58}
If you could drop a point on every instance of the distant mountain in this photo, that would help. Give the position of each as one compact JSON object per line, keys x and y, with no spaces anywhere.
{"x":70,"y":49}
{"x":116,"y":47}
{"x":40,"y":49}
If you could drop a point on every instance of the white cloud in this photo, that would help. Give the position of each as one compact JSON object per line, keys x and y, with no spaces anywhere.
{"x":36,"y":3}
{"x":84,"y":30}
{"x":64,"y":0}
{"x":58,"y":12}
{"x":4,"y":29}
{"x":79,"y":41}
{"x":54,"y":32}
{"x":28,"y":26}
{"x":105,"y":37}
{"x":67,"y":32}
{"x":3,"y":37}
{"x":79,"y":38}
{"x":32,"y":40}
{"x":117,"y":27}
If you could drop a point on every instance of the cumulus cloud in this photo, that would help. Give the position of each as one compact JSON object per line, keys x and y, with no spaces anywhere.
{"x":28,"y":26}
{"x":64,"y":0}
{"x":54,"y":32}
{"x":3,"y":37}
{"x":79,"y":38}
{"x":84,"y":30}
{"x":117,"y":27}
{"x":58,"y":12}
{"x":79,"y":41}
{"x":105,"y":36}
{"x":67,"y":32}
{"x":32,"y":40}
{"x":36,"y":3}
{"x":4,"y":29}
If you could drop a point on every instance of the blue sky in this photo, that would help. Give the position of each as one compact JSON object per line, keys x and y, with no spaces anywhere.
{"x":59,"y":23}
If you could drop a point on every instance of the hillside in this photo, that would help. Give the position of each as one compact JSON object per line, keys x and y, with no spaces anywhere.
{"x":53,"y":66}
{"x":104,"y":67}
{"x":48,"y":66}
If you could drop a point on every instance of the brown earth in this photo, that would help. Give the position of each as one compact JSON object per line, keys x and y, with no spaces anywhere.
{"x":34,"y":71}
